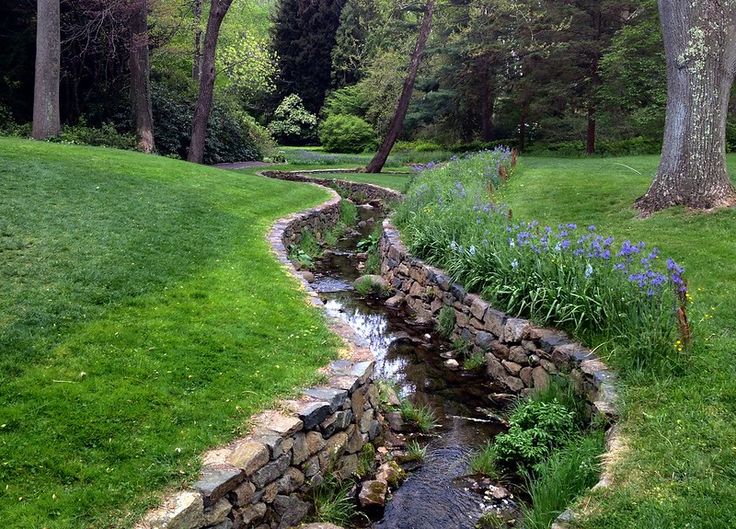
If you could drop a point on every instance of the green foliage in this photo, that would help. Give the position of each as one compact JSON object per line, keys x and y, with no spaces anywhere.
{"x":535,"y":429}
{"x":493,"y":520}
{"x":415,"y":451}
{"x":333,"y":502}
{"x":560,"y":390}
{"x":558,"y":480}
{"x":627,"y":147}
{"x":104,"y":136}
{"x":474,"y":361}
{"x":349,"y":100}
{"x":352,"y":41}
{"x":569,"y":277}
{"x":366,"y":461}
{"x":369,"y":286}
{"x":422,"y":417}
{"x":345,"y":133}
{"x":292,"y":123}
{"x":485,"y":461}
{"x":306,"y":251}
{"x":446,"y":321}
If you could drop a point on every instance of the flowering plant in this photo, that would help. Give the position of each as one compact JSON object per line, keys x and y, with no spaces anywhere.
{"x":572,"y":277}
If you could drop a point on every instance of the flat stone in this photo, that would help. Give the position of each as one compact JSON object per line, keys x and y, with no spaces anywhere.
{"x":372,"y":494}
{"x":270,"y":492}
{"x":348,"y":466}
{"x":484,"y":340}
{"x":271,"y":440}
{"x":184,"y":510}
{"x":515,"y":330}
{"x":540,"y":378}
{"x":336,"y":444}
{"x":518,"y":355}
{"x":218,"y":512}
{"x":391,"y":474}
{"x":494,"y":321}
{"x":335,"y":397}
{"x":336,"y":421}
{"x":526,"y":376}
{"x":290,"y":509}
{"x":216,"y":481}
{"x":355,"y":440}
{"x":314,"y":413}
{"x":292,"y":480}
{"x":395,"y":302}
{"x":243,"y":494}
{"x":494,"y":368}
{"x":272,"y":471}
{"x":548,"y":339}
{"x":511,"y":367}
{"x":252,"y":514}
{"x":282,"y":424}
{"x":362,"y":370}
{"x":478,"y":307}
{"x":365,"y":420}
{"x":249,"y":456}
{"x":348,"y":383}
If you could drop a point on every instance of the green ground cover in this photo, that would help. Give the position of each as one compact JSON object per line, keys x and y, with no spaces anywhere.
{"x":679,"y":469}
{"x":142,"y":320}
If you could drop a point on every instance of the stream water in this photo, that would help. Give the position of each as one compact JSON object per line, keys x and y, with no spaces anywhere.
{"x":436,"y":495}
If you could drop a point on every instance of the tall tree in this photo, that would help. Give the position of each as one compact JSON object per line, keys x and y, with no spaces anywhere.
{"x":397,"y":123}
{"x":352,"y":47}
{"x":197,"y":62}
{"x":46,"y":116}
{"x":140,"y":86}
{"x":218,"y":10}
{"x":700,"y":47}
{"x":303,"y":38}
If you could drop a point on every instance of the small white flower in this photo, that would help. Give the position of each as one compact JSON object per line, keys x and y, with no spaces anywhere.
{"x":514,"y":264}
{"x":588,"y":270}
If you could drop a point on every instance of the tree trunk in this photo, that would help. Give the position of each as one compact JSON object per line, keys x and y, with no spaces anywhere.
{"x":218,"y":10}
{"x":486,"y":103}
{"x":46,"y":116}
{"x":197,"y":64}
{"x":590,"y":143}
{"x":140,"y":86}
{"x":700,"y":46}
{"x":397,"y":123}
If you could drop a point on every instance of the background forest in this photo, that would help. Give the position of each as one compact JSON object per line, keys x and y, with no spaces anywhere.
{"x":545,"y":76}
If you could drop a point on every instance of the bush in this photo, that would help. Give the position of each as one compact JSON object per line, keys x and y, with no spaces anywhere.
{"x":627,"y":147}
{"x":293,"y":124}
{"x":345,"y":133}
{"x":233,"y":135}
{"x":346,"y":101}
{"x":535,"y":429}
{"x":104,"y":136}
{"x":567,"y":276}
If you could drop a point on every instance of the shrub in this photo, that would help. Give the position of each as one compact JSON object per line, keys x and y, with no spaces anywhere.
{"x":104,"y":136}
{"x":293,"y":124}
{"x":535,"y":429}
{"x":626,"y":147}
{"x":560,"y":479}
{"x":345,"y":133}
{"x":346,"y":101}
{"x":567,"y":276}
{"x":306,"y":251}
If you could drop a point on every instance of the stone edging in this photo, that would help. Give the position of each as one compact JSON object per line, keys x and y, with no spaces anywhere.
{"x":259,"y":481}
{"x":360,"y":192}
{"x":519,"y":354}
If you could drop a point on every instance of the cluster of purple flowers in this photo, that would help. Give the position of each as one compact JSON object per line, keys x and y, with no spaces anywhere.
{"x":418,"y":167}
{"x":594,"y":251}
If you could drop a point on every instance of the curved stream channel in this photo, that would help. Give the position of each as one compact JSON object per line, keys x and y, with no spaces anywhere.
{"x":436,"y":495}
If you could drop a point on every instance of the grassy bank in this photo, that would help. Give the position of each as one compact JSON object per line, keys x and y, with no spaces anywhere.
{"x":680,"y":466}
{"x":142,"y":320}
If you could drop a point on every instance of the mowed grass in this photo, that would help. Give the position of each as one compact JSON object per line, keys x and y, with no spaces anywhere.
{"x":679,"y":468}
{"x":396,"y":181}
{"x":142,"y":320}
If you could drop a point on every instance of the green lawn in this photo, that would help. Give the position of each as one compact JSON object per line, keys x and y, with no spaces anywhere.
{"x":398,"y":182}
{"x":680,"y":467}
{"x":142,"y":320}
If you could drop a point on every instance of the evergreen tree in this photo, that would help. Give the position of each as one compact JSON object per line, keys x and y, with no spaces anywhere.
{"x":352,"y":48}
{"x":303,"y":38}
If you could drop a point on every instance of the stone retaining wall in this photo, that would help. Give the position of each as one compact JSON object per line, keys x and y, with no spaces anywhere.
{"x":359,"y":193}
{"x":263,"y":480}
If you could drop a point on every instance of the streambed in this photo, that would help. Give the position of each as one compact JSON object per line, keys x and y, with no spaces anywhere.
{"x":438,"y":494}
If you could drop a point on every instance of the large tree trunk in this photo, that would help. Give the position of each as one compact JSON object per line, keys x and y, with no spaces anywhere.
{"x":140,"y":87}
{"x":197,"y":63}
{"x":46,"y":117}
{"x":700,"y":46}
{"x":218,"y":10}
{"x":397,"y":123}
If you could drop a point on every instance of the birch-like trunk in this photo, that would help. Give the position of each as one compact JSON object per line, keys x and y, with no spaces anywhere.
{"x":700,"y":46}
{"x":46,"y":116}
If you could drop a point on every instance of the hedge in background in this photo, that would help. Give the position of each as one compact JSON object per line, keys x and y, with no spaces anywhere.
{"x":345,"y":133}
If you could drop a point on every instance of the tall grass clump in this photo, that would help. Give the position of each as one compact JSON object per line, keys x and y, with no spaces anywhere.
{"x":333,"y":502}
{"x":622,"y":294}
{"x":561,"y":478}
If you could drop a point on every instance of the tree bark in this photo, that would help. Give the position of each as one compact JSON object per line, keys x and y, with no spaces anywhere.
{"x":46,"y":115}
{"x":591,"y":133}
{"x":218,"y":10}
{"x":397,"y":123}
{"x":197,"y":63}
{"x":486,"y":102}
{"x":140,"y":86}
{"x":700,"y":47}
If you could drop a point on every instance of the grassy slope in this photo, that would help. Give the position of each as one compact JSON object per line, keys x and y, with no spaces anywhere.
{"x":681,"y":469}
{"x":142,"y":320}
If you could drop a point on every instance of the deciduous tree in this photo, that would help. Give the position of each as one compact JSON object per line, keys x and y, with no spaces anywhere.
{"x":140,"y":69}
{"x":46,"y":115}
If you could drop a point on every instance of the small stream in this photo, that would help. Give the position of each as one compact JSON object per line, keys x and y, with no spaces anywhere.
{"x":437,"y":495}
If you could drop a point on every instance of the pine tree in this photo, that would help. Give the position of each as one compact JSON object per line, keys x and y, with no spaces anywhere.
{"x":303,"y":38}
{"x":352,"y":48}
